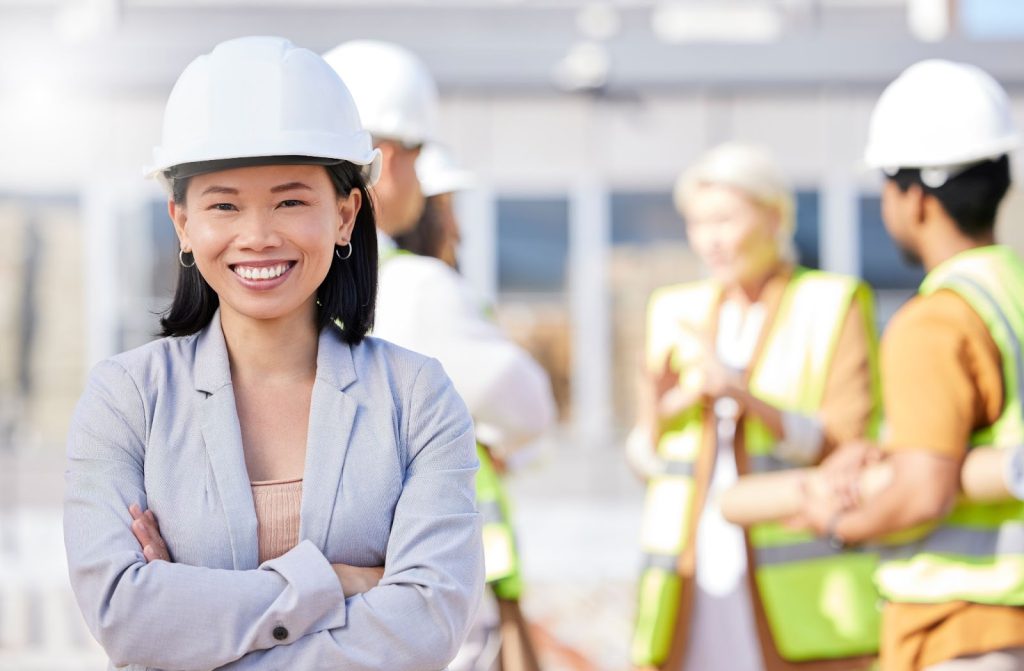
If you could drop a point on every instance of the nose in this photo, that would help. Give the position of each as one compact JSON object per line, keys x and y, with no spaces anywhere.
{"x":257,"y":231}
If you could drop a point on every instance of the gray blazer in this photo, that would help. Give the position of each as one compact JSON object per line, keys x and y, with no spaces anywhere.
{"x":389,"y":480}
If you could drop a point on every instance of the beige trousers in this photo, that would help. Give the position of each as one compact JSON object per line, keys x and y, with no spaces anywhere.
{"x":1011,"y":659}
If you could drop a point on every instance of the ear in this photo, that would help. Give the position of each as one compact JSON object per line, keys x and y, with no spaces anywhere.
{"x":915,"y":203}
{"x":179,"y":219}
{"x":348,"y":210}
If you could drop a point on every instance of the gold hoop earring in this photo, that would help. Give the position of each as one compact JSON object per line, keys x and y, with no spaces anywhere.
{"x":181,"y":259}
{"x":347,"y":256}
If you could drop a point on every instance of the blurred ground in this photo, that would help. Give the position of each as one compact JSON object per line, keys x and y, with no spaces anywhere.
{"x":577,"y":511}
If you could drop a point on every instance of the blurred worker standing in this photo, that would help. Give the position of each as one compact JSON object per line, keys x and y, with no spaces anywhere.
{"x":765,"y":366}
{"x":423,"y":304}
{"x":952,"y":375}
{"x":500,"y":638}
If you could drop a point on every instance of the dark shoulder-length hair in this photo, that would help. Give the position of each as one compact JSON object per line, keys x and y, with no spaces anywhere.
{"x":346,"y":299}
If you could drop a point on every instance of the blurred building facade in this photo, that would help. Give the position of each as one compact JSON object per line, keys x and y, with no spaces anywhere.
{"x":577,"y":116}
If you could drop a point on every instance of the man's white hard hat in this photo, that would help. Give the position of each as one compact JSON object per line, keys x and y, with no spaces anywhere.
{"x":941,"y":117}
{"x":260,"y":100}
{"x":395,"y":93}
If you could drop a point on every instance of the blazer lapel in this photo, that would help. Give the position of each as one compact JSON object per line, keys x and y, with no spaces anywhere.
{"x":332,"y":415}
{"x":223,"y":438}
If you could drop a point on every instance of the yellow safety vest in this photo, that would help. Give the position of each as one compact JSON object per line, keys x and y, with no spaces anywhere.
{"x":977,"y":552}
{"x":819,"y":603}
{"x":501,"y":555}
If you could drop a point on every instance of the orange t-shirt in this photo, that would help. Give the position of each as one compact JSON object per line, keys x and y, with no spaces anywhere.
{"x":941,"y":381}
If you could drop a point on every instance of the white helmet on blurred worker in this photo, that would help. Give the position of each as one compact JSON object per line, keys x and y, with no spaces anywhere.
{"x":941,"y":117}
{"x":395,"y":93}
{"x":439,"y":173}
{"x":258,"y":98}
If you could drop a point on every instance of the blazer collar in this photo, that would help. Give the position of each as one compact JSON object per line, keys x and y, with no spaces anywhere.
{"x":334,"y":363}
{"x":332,"y":418}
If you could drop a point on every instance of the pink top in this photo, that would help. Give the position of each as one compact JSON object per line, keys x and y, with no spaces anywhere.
{"x":277,"y":505}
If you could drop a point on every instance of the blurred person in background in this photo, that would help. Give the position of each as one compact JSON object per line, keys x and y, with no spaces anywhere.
{"x":437,"y":234}
{"x":952,"y":374}
{"x":766,"y":365}
{"x":500,"y":638}
{"x":397,"y":101}
{"x":423,"y":303}
{"x":265,"y":487}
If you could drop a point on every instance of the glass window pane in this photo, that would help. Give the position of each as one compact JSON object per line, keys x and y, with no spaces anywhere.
{"x":643,"y":217}
{"x":992,"y":19}
{"x":881,"y":262}
{"x":533,"y":244}
{"x":807,"y":229}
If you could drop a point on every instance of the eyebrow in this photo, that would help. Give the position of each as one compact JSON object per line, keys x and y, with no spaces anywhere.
{"x":219,"y":189}
{"x":289,"y":187}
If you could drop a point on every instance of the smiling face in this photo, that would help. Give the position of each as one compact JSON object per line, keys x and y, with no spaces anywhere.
{"x":263,"y":237}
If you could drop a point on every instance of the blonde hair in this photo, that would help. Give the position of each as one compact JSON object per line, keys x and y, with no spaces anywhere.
{"x":749,"y":169}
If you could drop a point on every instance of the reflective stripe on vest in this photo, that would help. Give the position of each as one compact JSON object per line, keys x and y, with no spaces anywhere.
{"x":819,"y":604}
{"x":977,"y":553}
{"x":501,"y":556}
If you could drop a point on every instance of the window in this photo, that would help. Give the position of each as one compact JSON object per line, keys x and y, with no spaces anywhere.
{"x":533,"y":244}
{"x":992,"y":19}
{"x":807,"y":229}
{"x":645,"y":217}
{"x":881,"y":262}
{"x":165,"y":254}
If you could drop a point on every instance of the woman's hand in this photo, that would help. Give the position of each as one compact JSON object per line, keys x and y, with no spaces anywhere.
{"x":147,"y":532}
{"x":357,"y":579}
{"x":661,"y":397}
{"x":353,"y":579}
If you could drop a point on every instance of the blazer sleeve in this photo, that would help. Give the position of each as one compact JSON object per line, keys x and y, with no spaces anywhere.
{"x":419,"y":614}
{"x":135,"y":609}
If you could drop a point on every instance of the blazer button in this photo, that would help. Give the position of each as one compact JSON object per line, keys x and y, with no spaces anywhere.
{"x":280,"y":633}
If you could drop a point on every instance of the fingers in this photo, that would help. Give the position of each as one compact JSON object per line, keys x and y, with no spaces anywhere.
{"x":147,"y":532}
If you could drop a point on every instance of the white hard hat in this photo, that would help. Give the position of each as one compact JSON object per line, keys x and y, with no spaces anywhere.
{"x":255,"y":98}
{"x":395,"y":93}
{"x":941,"y":117}
{"x":438,"y":172}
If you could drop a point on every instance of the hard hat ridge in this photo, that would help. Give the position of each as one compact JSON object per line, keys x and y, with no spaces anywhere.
{"x":252,"y":100}
{"x":393,"y":89}
{"x":941,"y":117}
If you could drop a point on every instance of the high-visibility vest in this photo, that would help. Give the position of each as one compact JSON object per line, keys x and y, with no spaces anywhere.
{"x":977,"y":552}
{"x":501,"y":553}
{"x":819,"y":603}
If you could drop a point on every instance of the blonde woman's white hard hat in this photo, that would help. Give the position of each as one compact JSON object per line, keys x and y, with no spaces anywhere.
{"x":396,"y":94}
{"x":439,"y":173}
{"x":260,"y":100}
{"x":941,"y":117}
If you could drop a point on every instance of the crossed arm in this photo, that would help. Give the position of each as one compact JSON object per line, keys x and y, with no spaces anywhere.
{"x":174,"y":616}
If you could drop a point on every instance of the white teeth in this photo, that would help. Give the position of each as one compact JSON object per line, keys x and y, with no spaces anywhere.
{"x":262,"y":273}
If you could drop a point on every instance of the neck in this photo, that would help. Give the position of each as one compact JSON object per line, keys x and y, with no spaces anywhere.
{"x":749,"y":291}
{"x":271,"y":350}
{"x":944,"y":248}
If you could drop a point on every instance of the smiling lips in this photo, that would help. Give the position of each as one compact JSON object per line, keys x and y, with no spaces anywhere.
{"x":262,"y":272}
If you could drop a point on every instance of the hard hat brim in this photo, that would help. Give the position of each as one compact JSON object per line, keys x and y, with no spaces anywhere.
{"x":371,"y":170}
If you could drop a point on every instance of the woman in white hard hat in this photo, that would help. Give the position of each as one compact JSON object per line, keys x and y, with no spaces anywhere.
{"x":313,"y":486}
{"x":764,"y":366}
